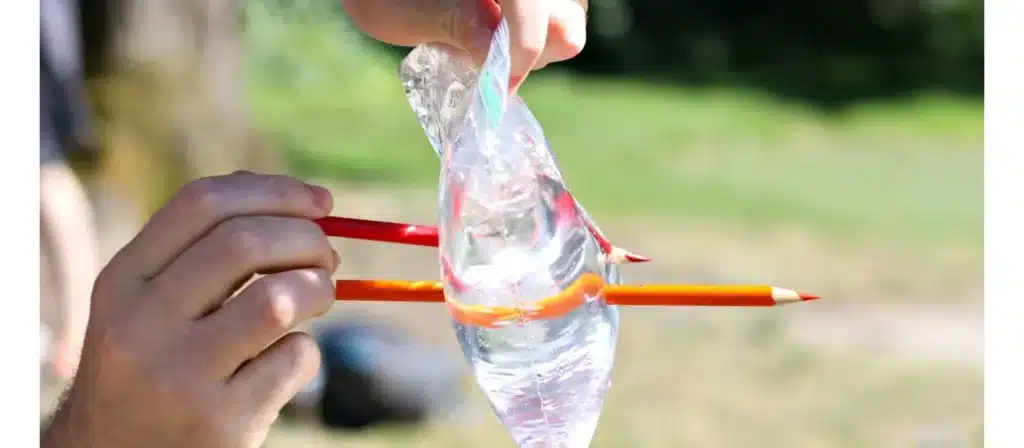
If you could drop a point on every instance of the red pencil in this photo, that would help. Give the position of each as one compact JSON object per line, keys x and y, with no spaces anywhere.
{"x":416,"y":235}
{"x":382,"y":231}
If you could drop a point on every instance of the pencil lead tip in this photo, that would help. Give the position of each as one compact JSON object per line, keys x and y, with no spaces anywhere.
{"x":808,"y":297}
{"x":635,"y":258}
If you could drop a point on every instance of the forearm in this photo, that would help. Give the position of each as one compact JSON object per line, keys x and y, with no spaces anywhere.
{"x":67,"y":219}
{"x":62,"y":432}
{"x":57,"y":436}
{"x":76,"y":423}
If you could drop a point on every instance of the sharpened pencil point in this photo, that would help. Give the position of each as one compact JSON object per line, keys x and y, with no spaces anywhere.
{"x":807,"y":297}
{"x":619,"y":255}
{"x":634,"y":258}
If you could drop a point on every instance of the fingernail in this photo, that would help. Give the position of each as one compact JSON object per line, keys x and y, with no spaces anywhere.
{"x":322,"y":198}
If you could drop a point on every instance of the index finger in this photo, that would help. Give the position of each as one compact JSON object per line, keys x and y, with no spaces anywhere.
{"x":204,"y":203}
{"x":567,"y":31}
{"x":528,"y":33}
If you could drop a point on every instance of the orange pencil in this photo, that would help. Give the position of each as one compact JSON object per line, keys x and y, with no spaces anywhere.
{"x":570,"y":299}
{"x":630,"y":295}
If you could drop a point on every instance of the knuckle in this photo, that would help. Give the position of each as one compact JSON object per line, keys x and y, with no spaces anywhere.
{"x":203,"y":196}
{"x":277,"y":307}
{"x":288,"y":190}
{"x":244,"y":237}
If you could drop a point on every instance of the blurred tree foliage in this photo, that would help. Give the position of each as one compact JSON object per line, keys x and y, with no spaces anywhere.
{"x":163,"y":76}
{"x":829,"y":52}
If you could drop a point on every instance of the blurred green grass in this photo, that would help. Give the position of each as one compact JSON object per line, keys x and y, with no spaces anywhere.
{"x":719,"y":381}
{"x":899,"y":172}
{"x":902,"y":173}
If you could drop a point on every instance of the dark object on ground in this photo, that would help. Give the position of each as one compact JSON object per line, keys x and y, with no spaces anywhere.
{"x":373,"y":374}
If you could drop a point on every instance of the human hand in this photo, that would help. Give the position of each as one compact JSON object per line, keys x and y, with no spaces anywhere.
{"x":168,"y":359}
{"x":541,"y":32}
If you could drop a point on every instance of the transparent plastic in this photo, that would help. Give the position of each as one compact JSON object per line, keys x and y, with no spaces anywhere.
{"x":521,"y":267}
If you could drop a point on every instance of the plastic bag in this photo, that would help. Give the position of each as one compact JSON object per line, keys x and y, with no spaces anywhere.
{"x":523,"y":265}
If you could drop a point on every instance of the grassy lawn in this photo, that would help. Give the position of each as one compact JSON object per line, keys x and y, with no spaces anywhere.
{"x":712,"y":172}
{"x":729,"y":380}
{"x":891,"y":173}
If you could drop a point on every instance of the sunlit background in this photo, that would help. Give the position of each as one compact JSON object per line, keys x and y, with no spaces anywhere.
{"x":834,"y":147}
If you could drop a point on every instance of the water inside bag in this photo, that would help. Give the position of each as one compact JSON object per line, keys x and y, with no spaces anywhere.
{"x":522,"y":271}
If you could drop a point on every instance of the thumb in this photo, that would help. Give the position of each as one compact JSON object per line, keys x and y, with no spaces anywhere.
{"x":465,"y":24}
{"x":471,"y":25}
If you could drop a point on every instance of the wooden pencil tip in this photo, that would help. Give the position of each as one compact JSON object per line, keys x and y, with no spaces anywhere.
{"x":808,"y":297}
{"x":619,"y":255}
{"x":634,"y":258}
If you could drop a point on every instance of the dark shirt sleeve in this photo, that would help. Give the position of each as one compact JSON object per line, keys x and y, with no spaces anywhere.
{"x":63,"y":108}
